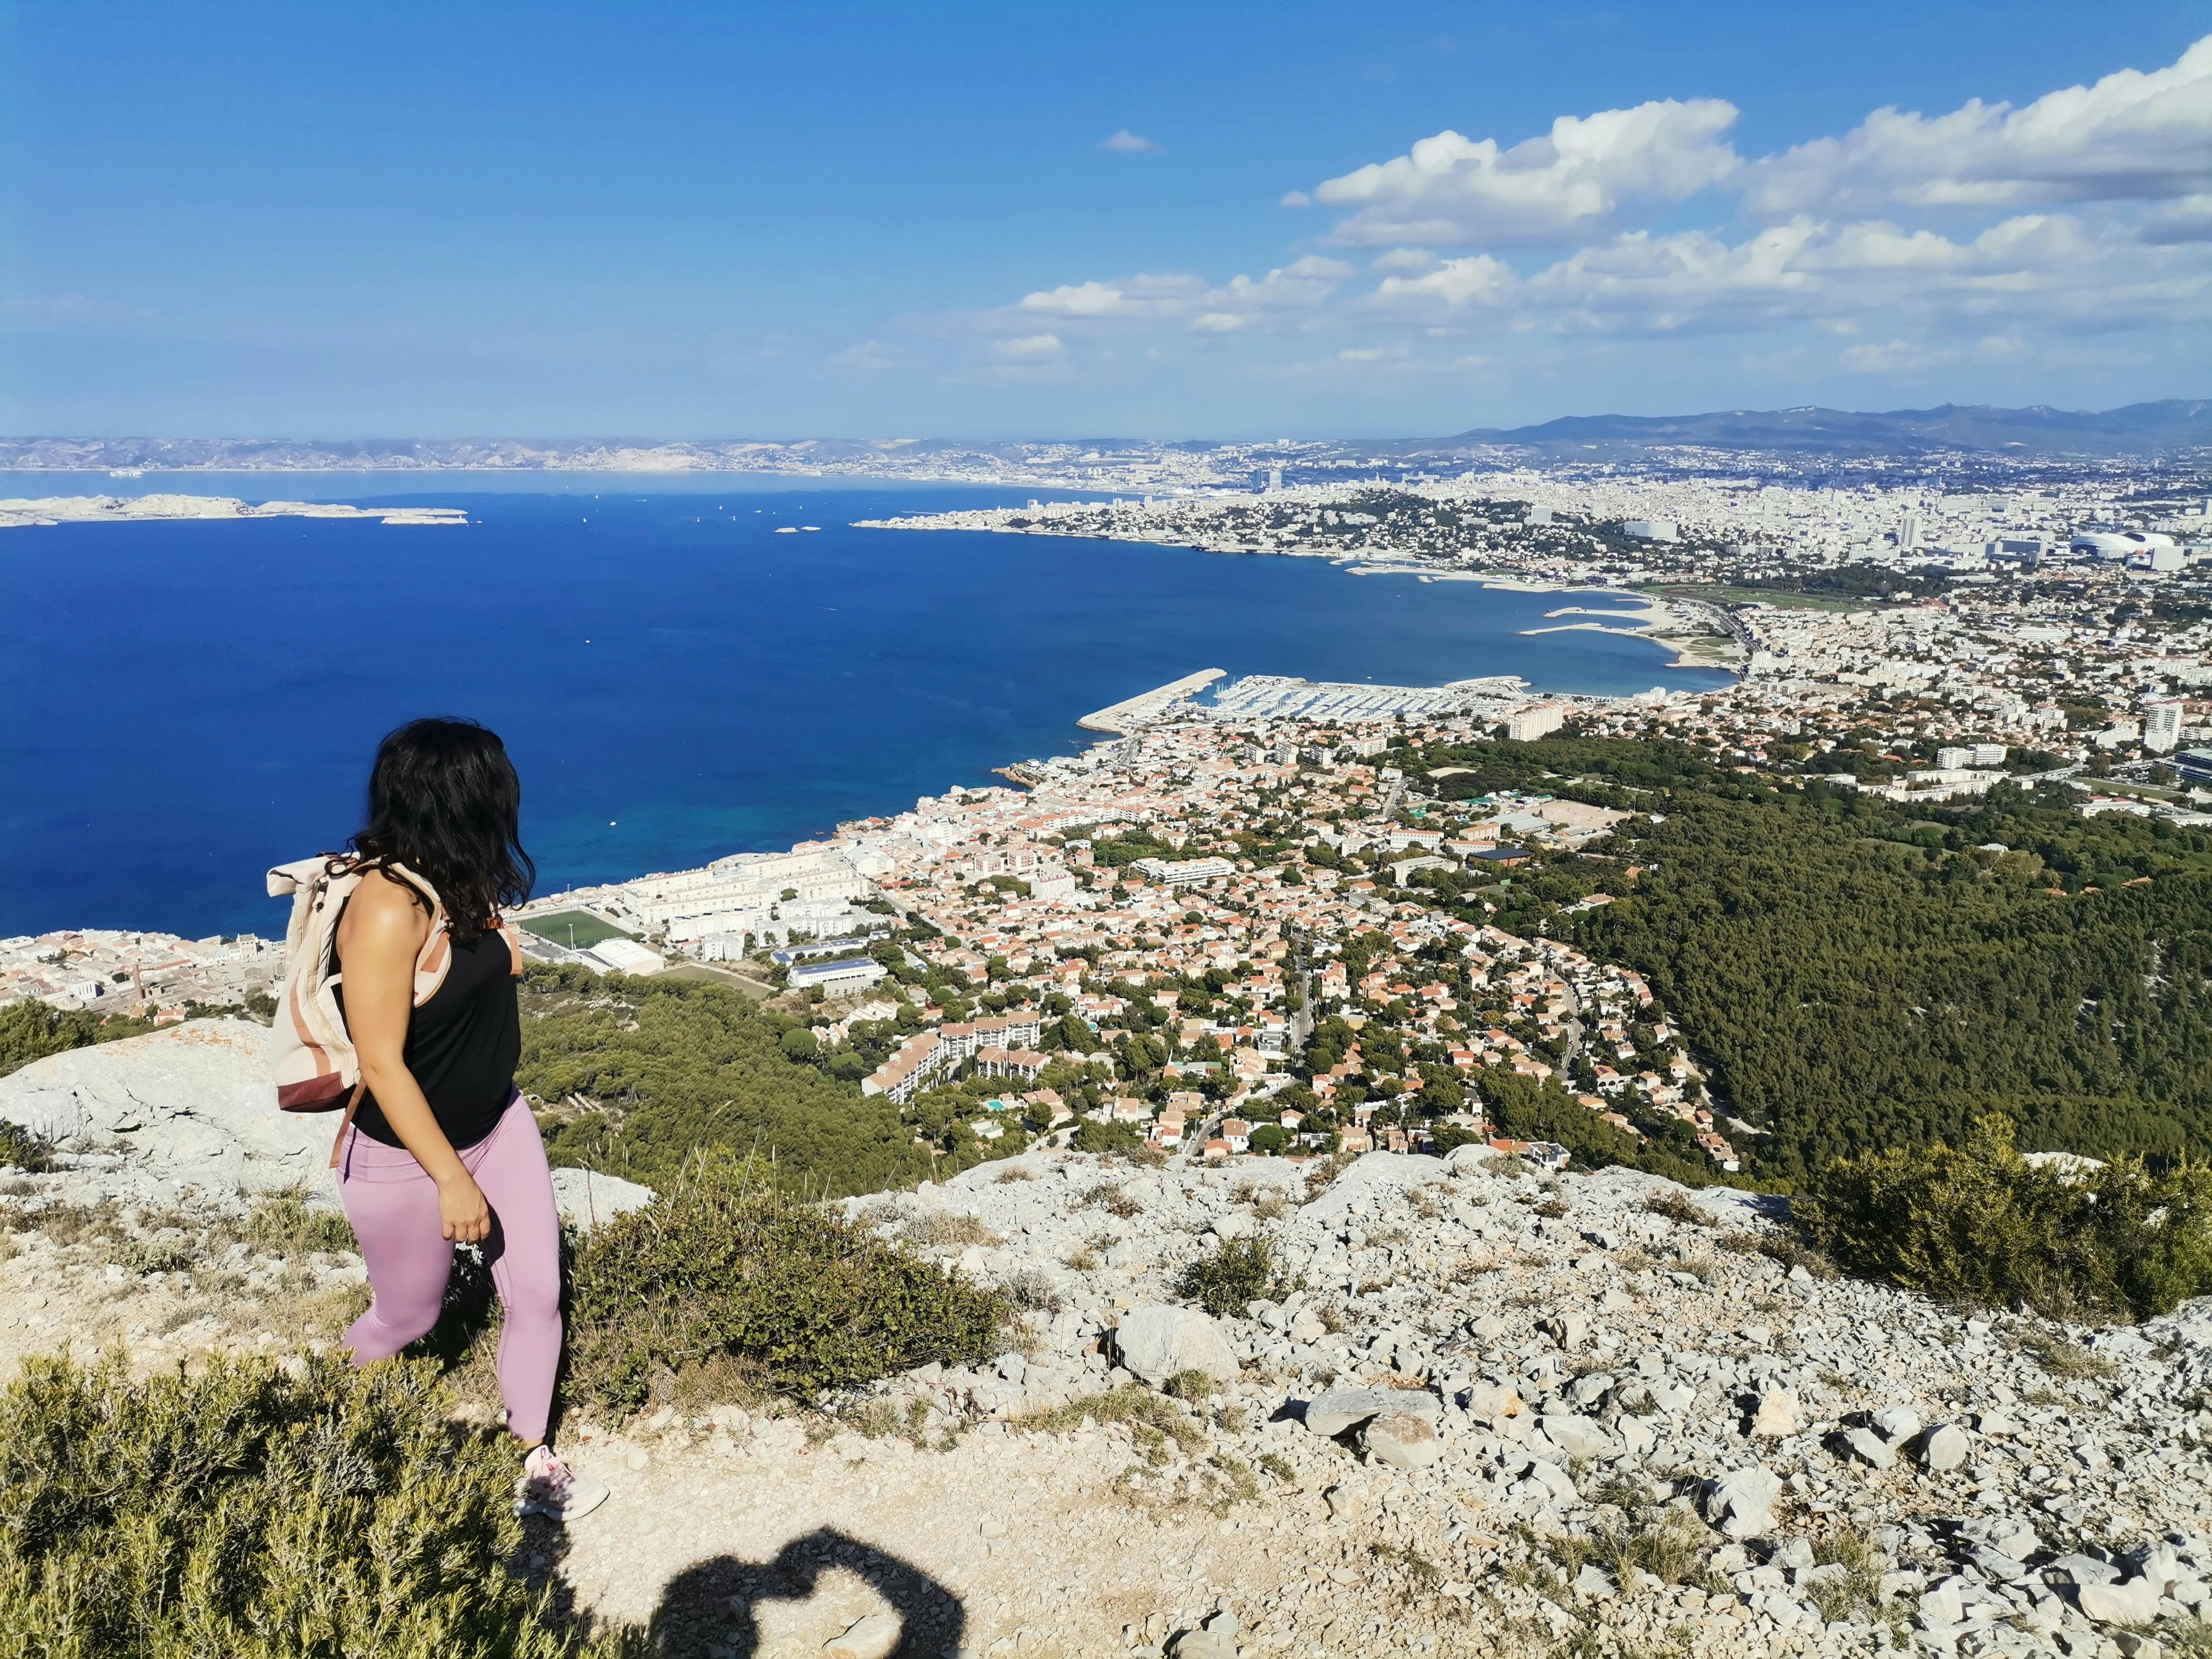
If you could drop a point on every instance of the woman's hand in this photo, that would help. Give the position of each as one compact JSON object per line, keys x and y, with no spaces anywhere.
{"x":462,"y":1209}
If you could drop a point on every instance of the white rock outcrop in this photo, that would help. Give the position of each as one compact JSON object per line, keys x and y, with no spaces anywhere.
{"x":194,"y":1104}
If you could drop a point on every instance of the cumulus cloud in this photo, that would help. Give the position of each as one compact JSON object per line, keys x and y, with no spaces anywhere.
{"x":1304,"y":283}
{"x":1985,"y":235}
{"x":1450,"y":190}
{"x":1476,"y":280}
{"x":1125,"y":297}
{"x":2131,"y":137}
{"x":1126,"y":142}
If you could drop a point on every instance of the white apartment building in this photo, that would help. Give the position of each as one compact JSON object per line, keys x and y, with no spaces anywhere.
{"x":1183,"y":872}
{"x":1541,"y":721}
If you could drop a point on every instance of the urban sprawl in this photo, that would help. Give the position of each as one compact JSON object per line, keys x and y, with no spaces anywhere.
{"x":1223,"y":930}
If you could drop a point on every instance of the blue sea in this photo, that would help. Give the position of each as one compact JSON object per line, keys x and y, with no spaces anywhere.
{"x":187,"y":703}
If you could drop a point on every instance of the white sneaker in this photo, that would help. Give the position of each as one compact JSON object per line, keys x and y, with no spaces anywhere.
{"x":549,"y":1487}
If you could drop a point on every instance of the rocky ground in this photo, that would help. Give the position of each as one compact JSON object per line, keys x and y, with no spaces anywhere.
{"x":1483,"y":1411}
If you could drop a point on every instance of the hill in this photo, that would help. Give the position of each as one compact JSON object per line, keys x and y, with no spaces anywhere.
{"x":2137,"y":428}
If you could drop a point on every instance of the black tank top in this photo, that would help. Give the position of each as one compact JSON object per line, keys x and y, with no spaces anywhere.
{"x":462,"y":1046}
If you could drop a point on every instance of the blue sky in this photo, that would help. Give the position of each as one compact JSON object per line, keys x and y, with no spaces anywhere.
{"x":778,"y":221}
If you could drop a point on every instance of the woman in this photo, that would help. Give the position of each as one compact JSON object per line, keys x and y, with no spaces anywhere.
{"x":440,"y":1149}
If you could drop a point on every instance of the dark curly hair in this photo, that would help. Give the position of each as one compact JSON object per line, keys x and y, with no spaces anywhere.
{"x":444,"y":800}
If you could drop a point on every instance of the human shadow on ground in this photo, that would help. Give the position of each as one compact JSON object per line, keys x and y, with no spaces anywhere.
{"x":709,"y":1606}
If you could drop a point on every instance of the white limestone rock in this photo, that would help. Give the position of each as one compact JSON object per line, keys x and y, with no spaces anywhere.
{"x":195,"y":1101}
{"x":1944,"y":1447}
{"x":1160,"y":1340}
{"x":1741,"y":1503}
{"x":586,"y":1198}
{"x":1777,"y":1417}
{"x":1404,"y":1440}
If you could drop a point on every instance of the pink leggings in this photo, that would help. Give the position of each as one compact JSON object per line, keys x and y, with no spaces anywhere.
{"x":393,"y":1207}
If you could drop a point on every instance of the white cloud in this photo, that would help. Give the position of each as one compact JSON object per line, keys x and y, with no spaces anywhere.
{"x":1030,"y":349}
{"x":1126,"y":142}
{"x":1295,"y":198}
{"x":1302,"y":285}
{"x":1988,"y":236}
{"x":1476,"y":280}
{"x":873,"y":356}
{"x":1897,"y":356}
{"x":1135,"y":297}
{"x":1450,"y":190}
{"x":2131,"y":137}
{"x":2048,"y":267}
{"x":1304,"y":282}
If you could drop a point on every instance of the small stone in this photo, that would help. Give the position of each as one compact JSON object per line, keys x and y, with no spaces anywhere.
{"x":1868,"y":1447}
{"x":1402,"y":1440}
{"x":1492,"y":1401}
{"x":1944,"y":1447}
{"x":1739,"y":1502}
{"x":1344,"y":1503}
{"x":1594,"y":1581}
{"x":1160,"y":1341}
{"x":1331,"y":1414}
{"x":874,"y":1637}
{"x":1897,"y":1423}
{"x":1578,"y":1437}
{"x":2135,"y":1602}
{"x":1777,"y":1417}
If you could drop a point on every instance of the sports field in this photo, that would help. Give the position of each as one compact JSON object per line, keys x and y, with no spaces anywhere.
{"x":578,"y":929}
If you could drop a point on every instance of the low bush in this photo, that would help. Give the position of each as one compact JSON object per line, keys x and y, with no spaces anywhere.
{"x":287,"y":1225}
{"x":723,"y":1267}
{"x":1980,"y":1223}
{"x":1242,"y":1270}
{"x":1093,"y":1136}
{"x":241,"y":1511}
{"x":30,"y":1030}
{"x":20,"y":1149}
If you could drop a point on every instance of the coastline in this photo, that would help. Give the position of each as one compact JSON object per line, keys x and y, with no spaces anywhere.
{"x":1678,"y":625}
{"x":19,"y":512}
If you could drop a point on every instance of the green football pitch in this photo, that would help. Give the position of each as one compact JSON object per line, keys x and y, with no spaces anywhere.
{"x":578,"y":929}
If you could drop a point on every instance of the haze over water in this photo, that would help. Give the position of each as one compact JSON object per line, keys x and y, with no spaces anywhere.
{"x":191,"y":702}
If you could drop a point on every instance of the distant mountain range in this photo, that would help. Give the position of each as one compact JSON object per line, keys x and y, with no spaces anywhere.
{"x":2150,"y":428}
{"x":2139,"y":429}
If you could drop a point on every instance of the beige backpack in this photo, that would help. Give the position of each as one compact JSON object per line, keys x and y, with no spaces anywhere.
{"x":309,"y":1050}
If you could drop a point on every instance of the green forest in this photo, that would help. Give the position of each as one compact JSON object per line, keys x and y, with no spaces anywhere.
{"x":1854,"y":978}
{"x":632,"y":1073}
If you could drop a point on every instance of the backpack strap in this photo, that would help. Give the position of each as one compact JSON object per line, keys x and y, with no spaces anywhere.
{"x":352,"y":1105}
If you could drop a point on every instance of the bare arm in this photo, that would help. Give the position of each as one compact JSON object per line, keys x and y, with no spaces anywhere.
{"x":378,"y":938}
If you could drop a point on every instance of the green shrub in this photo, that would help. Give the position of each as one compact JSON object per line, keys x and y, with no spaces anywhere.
{"x":286,"y":1225}
{"x":30,"y":1030}
{"x":22,"y":1150}
{"x":724,"y":1266}
{"x":240,"y":1511}
{"x":1242,"y":1270}
{"x":1093,"y":1136}
{"x":1980,"y":1223}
